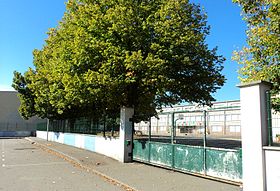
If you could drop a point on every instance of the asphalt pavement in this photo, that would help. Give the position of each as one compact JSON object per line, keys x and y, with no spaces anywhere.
{"x":27,"y":167}
{"x":129,"y":176}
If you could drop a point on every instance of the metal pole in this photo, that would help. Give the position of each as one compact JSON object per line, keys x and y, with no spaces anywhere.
{"x":150,"y":128}
{"x":48,"y":122}
{"x":204,"y":142}
{"x":149,"y":142}
{"x":268,"y":106}
{"x":175,"y":129}
{"x":172,"y":128}
{"x":172,"y":140}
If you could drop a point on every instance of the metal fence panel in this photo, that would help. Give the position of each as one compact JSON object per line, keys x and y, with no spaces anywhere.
{"x":224,"y":163}
{"x":188,"y":158}
{"x":161,"y":153}
{"x":221,"y":163}
{"x":83,"y":125}
{"x":141,"y":150}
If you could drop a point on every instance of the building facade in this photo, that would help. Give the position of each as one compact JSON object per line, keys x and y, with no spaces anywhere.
{"x":10,"y":119}
{"x":222,"y":119}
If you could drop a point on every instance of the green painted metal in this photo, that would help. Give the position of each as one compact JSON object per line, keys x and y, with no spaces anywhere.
{"x":41,"y":126}
{"x":161,"y":153}
{"x":221,"y":163}
{"x":269,"y":123}
{"x":204,"y":141}
{"x":172,"y":127}
{"x":188,"y":158}
{"x":141,"y":150}
{"x":224,"y":163}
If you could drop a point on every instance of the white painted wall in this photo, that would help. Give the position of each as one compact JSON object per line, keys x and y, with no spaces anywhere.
{"x":272,"y":168}
{"x":254,"y":134}
{"x":79,"y":141}
{"x":41,"y":134}
{"x":59,"y":137}
{"x":110,"y":147}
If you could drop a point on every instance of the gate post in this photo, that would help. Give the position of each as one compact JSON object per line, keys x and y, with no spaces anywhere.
{"x":254,"y":134}
{"x":126,"y":134}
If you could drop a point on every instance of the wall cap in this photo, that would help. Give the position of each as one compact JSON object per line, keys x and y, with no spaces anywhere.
{"x":271,"y":148}
{"x":259,"y":82}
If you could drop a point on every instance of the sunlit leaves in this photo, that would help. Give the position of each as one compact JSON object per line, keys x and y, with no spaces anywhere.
{"x":260,"y":59}
{"x":142,"y":54}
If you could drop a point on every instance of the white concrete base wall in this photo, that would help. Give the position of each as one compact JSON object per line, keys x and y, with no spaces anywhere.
{"x":79,"y":141}
{"x":59,"y":137}
{"x":102,"y":145}
{"x":272,"y":155}
{"x":254,"y":134}
{"x":109,"y":147}
{"x":41,"y":134}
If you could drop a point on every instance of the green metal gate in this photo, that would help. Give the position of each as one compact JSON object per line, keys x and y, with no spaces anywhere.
{"x":187,"y":142}
{"x":220,"y":163}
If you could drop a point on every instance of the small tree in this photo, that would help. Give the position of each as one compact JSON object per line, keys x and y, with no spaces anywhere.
{"x":260,"y":59}
{"x":142,"y":54}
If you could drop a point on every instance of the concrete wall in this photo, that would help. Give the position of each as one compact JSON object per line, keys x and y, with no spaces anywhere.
{"x":272,"y":158}
{"x":15,"y":133}
{"x":10,"y":119}
{"x":110,"y":147}
{"x":261,"y":163}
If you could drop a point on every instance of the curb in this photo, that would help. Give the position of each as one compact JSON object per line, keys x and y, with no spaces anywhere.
{"x":77,"y":163}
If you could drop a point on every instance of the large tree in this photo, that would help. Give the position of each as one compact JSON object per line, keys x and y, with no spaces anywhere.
{"x":260,"y":59}
{"x":105,"y":54}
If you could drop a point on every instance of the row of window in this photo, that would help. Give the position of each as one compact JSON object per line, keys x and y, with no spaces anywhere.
{"x":232,"y":128}
{"x":228,"y":117}
{"x":214,"y":128}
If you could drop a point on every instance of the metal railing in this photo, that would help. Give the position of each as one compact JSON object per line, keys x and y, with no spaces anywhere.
{"x":106,"y":127}
{"x":273,"y":123}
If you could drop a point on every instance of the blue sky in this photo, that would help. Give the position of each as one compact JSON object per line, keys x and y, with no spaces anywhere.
{"x":24,"y":23}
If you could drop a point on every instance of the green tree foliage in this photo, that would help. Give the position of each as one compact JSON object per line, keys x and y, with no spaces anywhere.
{"x":260,"y":59}
{"x":105,"y":54}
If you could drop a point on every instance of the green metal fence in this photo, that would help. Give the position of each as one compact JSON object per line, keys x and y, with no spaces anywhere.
{"x":106,"y":127}
{"x":206,"y":145}
{"x":221,"y":163}
{"x":273,"y":123}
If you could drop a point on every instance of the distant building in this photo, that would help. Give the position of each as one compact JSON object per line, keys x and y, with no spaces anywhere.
{"x":222,"y":120}
{"x":11,"y":123}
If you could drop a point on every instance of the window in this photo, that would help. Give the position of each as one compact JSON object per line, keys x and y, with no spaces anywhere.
{"x":235,"y":117}
{"x":198,"y":118}
{"x":216,"y":117}
{"x":228,"y":117}
{"x":234,"y":128}
{"x":192,"y":118}
{"x":216,"y":128}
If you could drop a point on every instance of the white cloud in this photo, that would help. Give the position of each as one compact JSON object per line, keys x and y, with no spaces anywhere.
{"x":6,"y":88}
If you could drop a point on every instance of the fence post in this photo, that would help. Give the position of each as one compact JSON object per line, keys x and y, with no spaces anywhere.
{"x":254,"y":134}
{"x":268,"y":99}
{"x":204,"y":143}
{"x":126,"y":133}
{"x":48,"y":123}
{"x":172,"y":128}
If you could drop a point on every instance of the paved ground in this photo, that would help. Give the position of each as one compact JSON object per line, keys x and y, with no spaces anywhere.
{"x":132,"y":176}
{"x":26,"y":167}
